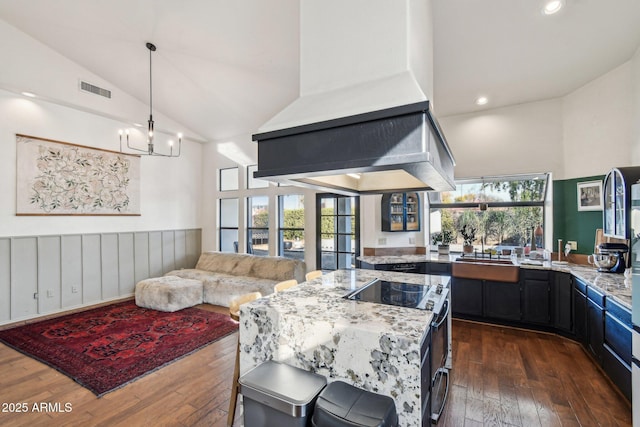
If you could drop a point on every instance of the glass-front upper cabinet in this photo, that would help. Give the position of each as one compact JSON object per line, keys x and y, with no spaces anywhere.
{"x":617,"y":201}
{"x":401,"y":212}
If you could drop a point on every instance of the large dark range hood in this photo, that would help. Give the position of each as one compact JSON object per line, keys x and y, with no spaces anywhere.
{"x":396,"y":149}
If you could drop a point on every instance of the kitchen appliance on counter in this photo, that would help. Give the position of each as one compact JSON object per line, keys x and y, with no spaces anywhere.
{"x":611,"y":258}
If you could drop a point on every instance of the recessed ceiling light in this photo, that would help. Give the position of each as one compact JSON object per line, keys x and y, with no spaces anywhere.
{"x":482,"y":100}
{"x":29,"y":94}
{"x":552,"y":6}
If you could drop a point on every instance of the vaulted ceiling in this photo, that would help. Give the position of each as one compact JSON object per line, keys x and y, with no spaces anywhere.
{"x":223,"y":68}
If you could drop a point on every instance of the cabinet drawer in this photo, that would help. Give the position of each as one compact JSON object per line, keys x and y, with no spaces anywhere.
{"x":618,"y":371}
{"x":532,"y":274}
{"x":580,"y":285}
{"x":595,"y":296}
{"x":618,"y":336}
{"x":623,"y":314}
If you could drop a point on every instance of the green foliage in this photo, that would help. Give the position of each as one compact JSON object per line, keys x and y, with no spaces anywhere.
{"x":293,"y":218}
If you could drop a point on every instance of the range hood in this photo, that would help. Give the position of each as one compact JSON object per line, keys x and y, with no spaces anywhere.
{"x":362,"y":123}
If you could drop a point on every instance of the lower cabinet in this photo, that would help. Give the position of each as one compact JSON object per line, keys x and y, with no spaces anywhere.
{"x":617,"y":350}
{"x":595,"y":324}
{"x":536,"y":302}
{"x":466,"y":297}
{"x":502,"y":300}
{"x":562,"y":297}
{"x":580,"y":311}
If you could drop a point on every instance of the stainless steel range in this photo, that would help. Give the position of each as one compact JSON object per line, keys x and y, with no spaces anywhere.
{"x":436,"y":345}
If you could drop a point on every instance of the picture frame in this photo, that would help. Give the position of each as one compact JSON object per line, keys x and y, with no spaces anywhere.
{"x":590,"y":196}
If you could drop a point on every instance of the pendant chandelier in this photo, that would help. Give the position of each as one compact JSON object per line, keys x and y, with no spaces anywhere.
{"x":150,"y":151}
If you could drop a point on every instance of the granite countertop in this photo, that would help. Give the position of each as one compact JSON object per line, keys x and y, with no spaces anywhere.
{"x":322,"y":300}
{"x":614,"y":286}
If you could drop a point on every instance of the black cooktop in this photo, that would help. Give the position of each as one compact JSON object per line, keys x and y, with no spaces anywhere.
{"x":393,"y":293}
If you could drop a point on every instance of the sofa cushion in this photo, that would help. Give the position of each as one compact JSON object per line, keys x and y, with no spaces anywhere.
{"x":265,"y":267}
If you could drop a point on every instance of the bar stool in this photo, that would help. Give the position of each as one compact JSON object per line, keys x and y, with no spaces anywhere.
{"x":313,"y":275}
{"x":279,"y":287}
{"x":234,"y":313}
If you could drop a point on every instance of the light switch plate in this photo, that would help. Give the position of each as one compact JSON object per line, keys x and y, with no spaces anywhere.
{"x":382,"y":241}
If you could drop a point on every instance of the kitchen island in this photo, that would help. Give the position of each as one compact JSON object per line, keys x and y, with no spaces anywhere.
{"x":373,"y":346}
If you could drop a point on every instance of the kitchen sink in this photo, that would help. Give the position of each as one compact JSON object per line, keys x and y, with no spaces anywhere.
{"x":498,"y":270}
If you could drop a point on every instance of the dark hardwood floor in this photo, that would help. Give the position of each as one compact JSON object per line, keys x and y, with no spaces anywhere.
{"x":501,"y":377}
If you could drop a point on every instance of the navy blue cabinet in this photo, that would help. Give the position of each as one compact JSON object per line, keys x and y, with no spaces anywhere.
{"x":562,"y":290}
{"x":617,"y":345}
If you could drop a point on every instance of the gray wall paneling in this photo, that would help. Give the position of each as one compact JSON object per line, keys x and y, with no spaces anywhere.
{"x":5,"y":279}
{"x":71,"y":261}
{"x":141,"y":255}
{"x":155,"y":254}
{"x":24,"y":277}
{"x":127,"y":260}
{"x":49,"y":288}
{"x":110,"y":282}
{"x":47,"y":274}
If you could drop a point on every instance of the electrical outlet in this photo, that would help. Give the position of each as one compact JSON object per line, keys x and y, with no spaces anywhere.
{"x":49,"y":293}
{"x":574,"y":245}
{"x":74,"y":289}
{"x":412,"y":240}
{"x":382,"y":241}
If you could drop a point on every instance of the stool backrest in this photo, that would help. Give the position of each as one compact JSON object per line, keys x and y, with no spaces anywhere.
{"x":279,"y":287}
{"x":234,"y":306}
{"x":313,"y":275}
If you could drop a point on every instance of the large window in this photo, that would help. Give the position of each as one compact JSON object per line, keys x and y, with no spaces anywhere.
{"x":228,"y":225}
{"x":337,"y":236}
{"x":503,"y":211}
{"x":258,"y":225}
{"x":228,"y":179}
{"x":291,"y":226}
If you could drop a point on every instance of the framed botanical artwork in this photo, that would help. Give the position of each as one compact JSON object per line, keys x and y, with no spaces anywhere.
{"x":59,"y":178}
{"x":590,"y":196}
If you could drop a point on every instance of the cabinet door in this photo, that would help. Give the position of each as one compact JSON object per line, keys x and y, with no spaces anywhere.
{"x":562,"y":301}
{"x":609,"y":192}
{"x":412,"y":211}
{"x":502,"y":300}
{"x":595,"y":330}
{"x":466,"y":296}
{"x":580,"y":316}
{"x":535,"y":296}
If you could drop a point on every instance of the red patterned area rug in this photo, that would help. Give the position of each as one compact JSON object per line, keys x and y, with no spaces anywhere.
{"x":105,"y":348}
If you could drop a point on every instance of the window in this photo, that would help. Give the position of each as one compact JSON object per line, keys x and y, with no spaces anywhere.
{"x":228,"y":179}
{"x":228,"y":225}
{"x":291,"y":226}
{"x":258,"y":225}
{"x":337,"y":233}
{"x":504,"y":211}
{"x":252,"y":182}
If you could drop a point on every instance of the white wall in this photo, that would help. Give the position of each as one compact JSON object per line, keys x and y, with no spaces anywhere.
{"x":170,"y":188}
{"x":598,"y":125}
{"x":522,"y":138}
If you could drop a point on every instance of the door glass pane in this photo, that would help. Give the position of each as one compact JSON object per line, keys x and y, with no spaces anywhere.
{"x":345,"y":242}
{"x":329,"y":261}
{"x":620,"y":207}
{"x":258,"y":242}
{"x":345,"y":260}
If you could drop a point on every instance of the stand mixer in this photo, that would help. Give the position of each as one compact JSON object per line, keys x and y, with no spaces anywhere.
{"x":615,"y":252}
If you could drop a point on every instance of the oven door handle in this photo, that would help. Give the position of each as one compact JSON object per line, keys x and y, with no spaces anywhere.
{"x":442,"y":317}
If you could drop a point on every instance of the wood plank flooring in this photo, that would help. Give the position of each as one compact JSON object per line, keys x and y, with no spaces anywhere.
{"x":501,"y":377}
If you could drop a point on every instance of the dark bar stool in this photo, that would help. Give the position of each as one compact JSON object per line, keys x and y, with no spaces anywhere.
{"x":343,"y":405}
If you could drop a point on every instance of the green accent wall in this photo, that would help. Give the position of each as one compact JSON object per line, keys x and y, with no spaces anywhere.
{"x":568,"y":223}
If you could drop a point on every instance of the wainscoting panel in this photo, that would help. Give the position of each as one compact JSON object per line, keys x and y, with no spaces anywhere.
{"x":141,"y":255}
{"x":71,"y":274}
{"x":48,"y":274}
{"x":5,"y":279}
{"x":127,"y":267}
{"x":168,"y":251}
{"x":91,"y":269}
{"x":110,"y":281}
{"x":155,"y":254}
{"x":24,"y":277}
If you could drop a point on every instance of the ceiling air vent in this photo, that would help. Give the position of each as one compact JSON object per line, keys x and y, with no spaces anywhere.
{"x":88,"y":87}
